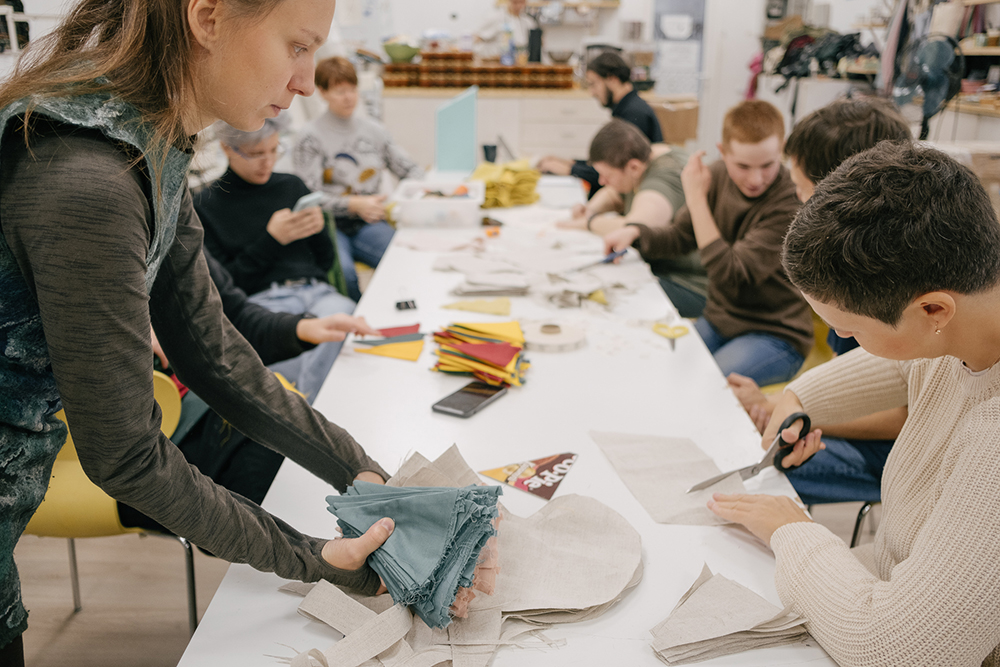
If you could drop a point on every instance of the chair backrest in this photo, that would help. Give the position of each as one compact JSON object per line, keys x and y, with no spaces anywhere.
{"x":76,"y":507}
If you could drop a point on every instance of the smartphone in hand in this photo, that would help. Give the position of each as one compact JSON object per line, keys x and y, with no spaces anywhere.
{"x":306,"y":201}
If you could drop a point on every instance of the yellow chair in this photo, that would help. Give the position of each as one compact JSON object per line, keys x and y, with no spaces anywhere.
{"x":75,"y":507}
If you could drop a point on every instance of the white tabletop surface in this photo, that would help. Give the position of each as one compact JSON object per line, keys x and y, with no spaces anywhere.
{"x":625,"y":379}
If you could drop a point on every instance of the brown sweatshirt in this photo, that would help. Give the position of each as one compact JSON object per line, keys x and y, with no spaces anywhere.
{"x":747,"y":289}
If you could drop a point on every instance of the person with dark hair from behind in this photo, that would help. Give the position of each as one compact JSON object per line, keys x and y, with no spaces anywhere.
{"x":296,"y":346}
{"x":609,"y":82}
{"x":736,"y":212}
{"x":900,"y":248}
{"x":850,"y":467}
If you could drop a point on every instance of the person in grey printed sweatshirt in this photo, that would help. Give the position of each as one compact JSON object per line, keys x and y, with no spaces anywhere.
{"x":343,"y":154}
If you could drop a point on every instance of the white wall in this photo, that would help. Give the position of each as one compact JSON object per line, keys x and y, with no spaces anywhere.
{"x":732,"y":37}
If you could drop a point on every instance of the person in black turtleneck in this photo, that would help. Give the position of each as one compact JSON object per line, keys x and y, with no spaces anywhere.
{"x":609,"y":82}
{"x":282,"y":259}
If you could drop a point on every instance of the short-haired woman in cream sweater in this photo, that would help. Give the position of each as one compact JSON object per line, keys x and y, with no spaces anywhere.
{"x":900,"y":248}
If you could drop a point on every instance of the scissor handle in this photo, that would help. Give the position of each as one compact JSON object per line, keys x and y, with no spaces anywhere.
{"x":785,"y":448}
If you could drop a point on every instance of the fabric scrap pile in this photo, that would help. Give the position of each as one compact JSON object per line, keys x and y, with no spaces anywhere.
{"x":718,"y":617}
{"x":510,"y":184}
{"x":492,"y":352}
{"x":554,"y":568}
{"x":437,"y":543}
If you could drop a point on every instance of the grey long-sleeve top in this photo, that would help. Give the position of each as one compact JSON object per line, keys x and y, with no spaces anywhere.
{"x":76,"y":213}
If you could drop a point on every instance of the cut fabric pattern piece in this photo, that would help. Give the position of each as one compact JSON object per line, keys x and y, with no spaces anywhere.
{"x":499,"y":306}
{"x":391,"y":332}
{"x":435,"y":546}
{"x":659,"y":471}
{"x":551,"y":567}
{"x":717,"y":617}
{"x":408,"y":351}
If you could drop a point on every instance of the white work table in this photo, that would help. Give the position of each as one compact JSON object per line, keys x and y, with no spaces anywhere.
{"x":625,"y":379}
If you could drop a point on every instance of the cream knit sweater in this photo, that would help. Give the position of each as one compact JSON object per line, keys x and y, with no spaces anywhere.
{"x":927,"y":592}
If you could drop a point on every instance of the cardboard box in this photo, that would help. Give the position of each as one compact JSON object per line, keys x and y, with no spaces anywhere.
{"x":678,"y":119}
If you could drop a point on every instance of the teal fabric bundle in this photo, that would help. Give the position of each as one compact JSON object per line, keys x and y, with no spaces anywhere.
{"x":434,"y":548}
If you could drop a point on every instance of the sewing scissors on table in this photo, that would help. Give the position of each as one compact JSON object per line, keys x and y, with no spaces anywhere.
{"x":671,"y":332}
{"x":775,"y":454}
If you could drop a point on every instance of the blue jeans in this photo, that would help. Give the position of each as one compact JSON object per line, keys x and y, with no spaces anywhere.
{"x":846,"y":471}
{"x":764,"y":358}
{"x":367,"y":245}
{"x":309,"y":369}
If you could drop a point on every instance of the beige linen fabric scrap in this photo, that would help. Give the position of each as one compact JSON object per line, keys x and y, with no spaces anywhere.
{"x":717,"y":617}
{"x":658,"y":471}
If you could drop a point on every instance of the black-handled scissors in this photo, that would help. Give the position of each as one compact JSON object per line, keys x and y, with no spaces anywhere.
{"x":775,"y":454}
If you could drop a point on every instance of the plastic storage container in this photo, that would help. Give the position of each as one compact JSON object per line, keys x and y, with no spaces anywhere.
{"x":414,"y":209}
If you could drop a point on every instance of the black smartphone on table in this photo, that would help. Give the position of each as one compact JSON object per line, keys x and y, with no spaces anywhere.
{"x":469,"y":400}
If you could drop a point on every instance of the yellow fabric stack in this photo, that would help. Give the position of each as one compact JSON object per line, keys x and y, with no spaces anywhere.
{"x":510,"y":184}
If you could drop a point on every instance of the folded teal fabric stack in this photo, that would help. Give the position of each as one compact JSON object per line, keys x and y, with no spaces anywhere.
{"x":433,"y":551}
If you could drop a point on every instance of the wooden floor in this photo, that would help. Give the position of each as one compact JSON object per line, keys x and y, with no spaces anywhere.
{"x":135,"y":596}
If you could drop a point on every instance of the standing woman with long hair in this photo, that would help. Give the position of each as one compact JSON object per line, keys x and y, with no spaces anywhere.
{"x":99,"y":241}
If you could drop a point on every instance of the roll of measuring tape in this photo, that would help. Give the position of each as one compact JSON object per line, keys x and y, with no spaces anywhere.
{"x":551,"y":337}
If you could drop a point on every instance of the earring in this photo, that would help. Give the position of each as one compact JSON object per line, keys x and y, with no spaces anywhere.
{"x":937,"y":331}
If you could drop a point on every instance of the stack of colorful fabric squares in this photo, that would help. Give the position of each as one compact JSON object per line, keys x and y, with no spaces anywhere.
{"x":492,"y":352}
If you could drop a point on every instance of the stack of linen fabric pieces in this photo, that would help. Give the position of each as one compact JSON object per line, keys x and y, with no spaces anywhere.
{"x":717,"y":617}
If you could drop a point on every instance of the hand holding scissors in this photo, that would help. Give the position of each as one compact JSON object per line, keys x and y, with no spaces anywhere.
{"x":774,"y":456}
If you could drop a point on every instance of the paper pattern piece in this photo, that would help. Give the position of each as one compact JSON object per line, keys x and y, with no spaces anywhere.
{"x":540,"y":477}
{"x":500,"y":306}
{"x":718,"y":617}
{"x":658,"y":471}
{"x":554,"y":568}
{"x":409,"y":351}
{"x":440,"y":533}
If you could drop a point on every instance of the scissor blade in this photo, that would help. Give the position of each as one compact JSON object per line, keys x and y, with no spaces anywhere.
{"x":710,"y":481}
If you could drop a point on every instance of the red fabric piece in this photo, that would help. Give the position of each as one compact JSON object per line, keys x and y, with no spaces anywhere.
{"x":497,"y":354}
{"x":399,"y":331}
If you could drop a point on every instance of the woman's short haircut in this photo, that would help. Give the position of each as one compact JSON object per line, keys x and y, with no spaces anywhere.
{"x":608,"y":64}
{"x":828,"y":136}
{"x":751,"y":122}
{"x":889,"y":224}
{"x":335,"y":71}
{"x":230,"y":136}
{"x":618,"y":142}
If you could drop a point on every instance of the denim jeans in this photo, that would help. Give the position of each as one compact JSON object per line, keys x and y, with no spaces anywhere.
{"x":367,"y":245}
{"x":309,"y":369}
{"x":764,"y":358}
{"x":846,"y":471}
{"x":688,"y":303}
